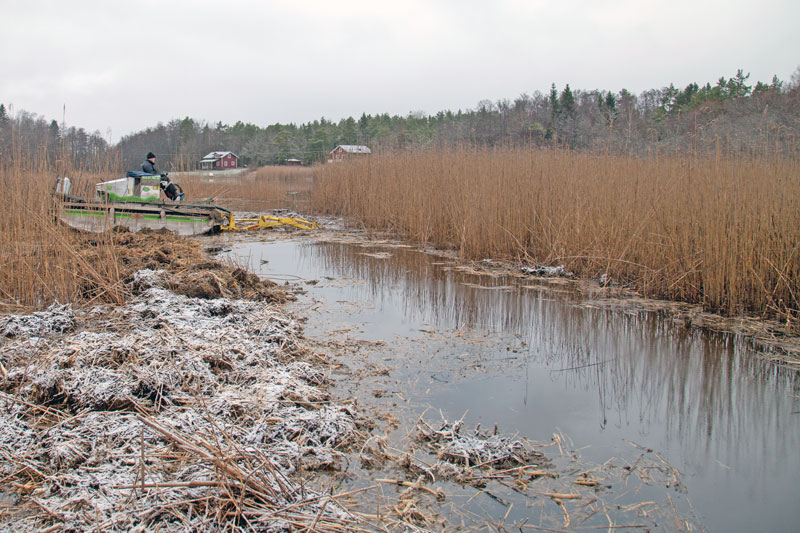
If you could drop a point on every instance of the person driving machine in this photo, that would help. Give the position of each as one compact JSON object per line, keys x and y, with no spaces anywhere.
{"x":171,"y":190}
{"x":149,"y":165}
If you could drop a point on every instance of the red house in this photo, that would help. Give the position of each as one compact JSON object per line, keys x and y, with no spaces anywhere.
{"x":343,"y":151}
{"x":219,"y":161}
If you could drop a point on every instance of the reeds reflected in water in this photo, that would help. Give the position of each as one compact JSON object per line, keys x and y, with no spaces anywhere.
{"x":720,"y":231}
{"x":709,"y":392}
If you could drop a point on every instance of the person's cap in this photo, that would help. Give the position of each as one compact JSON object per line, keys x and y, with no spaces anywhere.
{"x":150,"y":155}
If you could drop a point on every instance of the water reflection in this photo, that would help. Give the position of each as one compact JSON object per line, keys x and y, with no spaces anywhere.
{"x":707,"y":388}
{"x":723,"y":414}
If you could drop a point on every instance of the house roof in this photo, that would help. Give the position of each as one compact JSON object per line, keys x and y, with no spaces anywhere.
{"x":213,"y":156}
{"x":354,"y":148}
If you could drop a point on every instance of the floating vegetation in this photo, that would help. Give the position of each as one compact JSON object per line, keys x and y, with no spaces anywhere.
{"x":562,"y":491}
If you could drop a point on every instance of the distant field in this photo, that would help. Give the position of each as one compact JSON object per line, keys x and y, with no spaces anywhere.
{"x":720,"y":231}
{"x":210,"y":173}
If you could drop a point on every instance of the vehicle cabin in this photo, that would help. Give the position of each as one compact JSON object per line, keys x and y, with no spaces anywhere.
{"x":344,"y":151}
{"x":219,"y":161}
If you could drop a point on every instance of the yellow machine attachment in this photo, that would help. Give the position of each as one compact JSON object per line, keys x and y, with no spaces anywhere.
{"x":265,"y":221}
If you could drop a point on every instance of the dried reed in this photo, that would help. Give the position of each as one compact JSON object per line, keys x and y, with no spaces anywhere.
{"x":44,"y":261}
{"x":40,"y":259}
{"x":263,"y":188}
{"x":720,"y":231}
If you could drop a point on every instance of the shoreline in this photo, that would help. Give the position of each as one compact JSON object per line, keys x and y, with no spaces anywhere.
{"x":117,"y":394}
{"x":777,"y":341}
{"x":126,"y":416}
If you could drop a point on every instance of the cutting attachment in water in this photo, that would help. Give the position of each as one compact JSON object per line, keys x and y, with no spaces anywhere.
{"x":264,"y":222}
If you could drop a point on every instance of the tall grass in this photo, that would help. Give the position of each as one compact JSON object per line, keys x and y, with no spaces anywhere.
{"x":264,"y":188}
{"x":41,"y":260}
{"x":721,"y":232}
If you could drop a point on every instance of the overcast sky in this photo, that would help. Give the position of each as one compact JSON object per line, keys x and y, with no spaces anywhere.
{"x":123,"y":66}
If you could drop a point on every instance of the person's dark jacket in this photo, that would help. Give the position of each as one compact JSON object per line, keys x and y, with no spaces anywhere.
{"x":149,"y":167}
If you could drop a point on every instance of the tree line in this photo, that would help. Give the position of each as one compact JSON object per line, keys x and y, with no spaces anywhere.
{"x":32,"y":141}
{"x":732,"y":115}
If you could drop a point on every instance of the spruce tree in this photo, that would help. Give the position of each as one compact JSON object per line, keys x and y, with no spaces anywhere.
{"x":567,"y":101}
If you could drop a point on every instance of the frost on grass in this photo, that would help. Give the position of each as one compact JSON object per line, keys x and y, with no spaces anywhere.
{"x":171,"y":412}
{"x":547,"y":271}
{"x":478,"y":448}
{"x":55,"y":319}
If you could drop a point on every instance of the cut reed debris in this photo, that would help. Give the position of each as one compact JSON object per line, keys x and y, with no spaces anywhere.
{"x":587,"y":495}
{"x":170,"y":412}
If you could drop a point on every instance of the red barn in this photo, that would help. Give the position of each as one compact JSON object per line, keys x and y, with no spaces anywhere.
{"x":347,"y":150}
{"x":219,"y":161}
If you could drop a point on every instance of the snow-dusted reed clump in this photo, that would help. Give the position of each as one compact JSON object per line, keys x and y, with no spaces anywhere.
{"x":55,"y":319}
{"x":172,"y":412}
{"x":547,"y":271}
{"x":477,"y":448}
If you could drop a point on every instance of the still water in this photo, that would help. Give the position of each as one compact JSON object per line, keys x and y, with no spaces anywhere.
{"x":537,"y":359}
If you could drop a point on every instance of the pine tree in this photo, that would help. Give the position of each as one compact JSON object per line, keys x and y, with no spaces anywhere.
{"x":736,"y":85}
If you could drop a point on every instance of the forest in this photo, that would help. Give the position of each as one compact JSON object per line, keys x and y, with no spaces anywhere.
{"x":732,"y":116}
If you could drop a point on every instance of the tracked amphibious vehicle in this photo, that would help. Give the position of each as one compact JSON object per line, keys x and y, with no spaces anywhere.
{"x":153,"y":201}
{"x":136,"y":202}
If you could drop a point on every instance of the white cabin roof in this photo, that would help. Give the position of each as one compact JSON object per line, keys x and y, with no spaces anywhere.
{"x":353,"y":148}
{"x":213,"y":156}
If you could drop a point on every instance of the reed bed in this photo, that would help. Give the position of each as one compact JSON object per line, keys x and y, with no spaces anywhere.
{"x":44,"y":261}
{"x":41,"y":260}
{"x":718,"y":231}
{"x":256,"y":190}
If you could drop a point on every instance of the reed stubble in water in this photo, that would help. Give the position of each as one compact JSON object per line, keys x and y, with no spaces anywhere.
{"x":718,"y":231}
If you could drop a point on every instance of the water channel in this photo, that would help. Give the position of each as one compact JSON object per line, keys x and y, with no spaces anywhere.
{"x":536,"y":358}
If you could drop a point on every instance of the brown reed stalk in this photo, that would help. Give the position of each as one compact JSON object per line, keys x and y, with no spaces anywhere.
{"x":721,"y":231}
{"x":275,"y":187}
{"x":41,"y":260}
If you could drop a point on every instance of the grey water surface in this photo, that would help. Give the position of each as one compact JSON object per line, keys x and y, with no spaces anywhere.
{"x":536,"y":359}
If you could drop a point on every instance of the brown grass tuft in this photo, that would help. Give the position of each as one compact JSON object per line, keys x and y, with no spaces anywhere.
{"x":40,"y":260}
